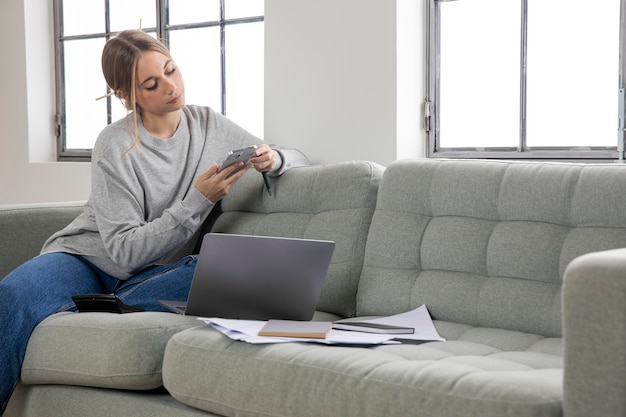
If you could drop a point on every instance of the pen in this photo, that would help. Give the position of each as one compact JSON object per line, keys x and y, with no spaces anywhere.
{"x":266,"y":180}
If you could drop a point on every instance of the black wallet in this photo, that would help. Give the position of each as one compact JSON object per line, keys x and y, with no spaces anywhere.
{"x":107,"y":303}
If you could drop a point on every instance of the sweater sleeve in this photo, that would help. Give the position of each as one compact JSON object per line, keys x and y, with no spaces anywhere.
{"x":237,"y":137}
{"x":287,"y":158}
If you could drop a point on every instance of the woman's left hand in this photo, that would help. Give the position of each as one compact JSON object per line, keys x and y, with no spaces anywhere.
{"x":263,"y":159}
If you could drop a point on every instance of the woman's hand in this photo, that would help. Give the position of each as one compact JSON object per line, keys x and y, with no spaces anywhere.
{"x":214,"y":185}
{"x":263,"y":159}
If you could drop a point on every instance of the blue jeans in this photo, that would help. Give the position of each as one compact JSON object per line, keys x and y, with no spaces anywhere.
{"x":44,"y":286}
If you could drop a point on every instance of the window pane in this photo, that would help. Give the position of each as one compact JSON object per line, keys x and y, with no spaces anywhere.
{"x":243,"y":8}
{"x":84,"y":116}
{"x":480,"y":76}
{"x":118,"y":111}
{"x":572,"y":73}
{"x":244,"y":76}
{"x":193,"y":11}
{"x":133,"y":14}
{"x":197,"y":53}
{"x":83,"y":16}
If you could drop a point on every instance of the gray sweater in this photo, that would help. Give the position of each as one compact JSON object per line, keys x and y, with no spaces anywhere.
{"x":144,"y":208}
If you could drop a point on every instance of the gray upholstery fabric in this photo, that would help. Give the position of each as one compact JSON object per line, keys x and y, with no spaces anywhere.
{"x":125,"y":351}
{"x":484,"y":246}
{"x":24,"y":230}
{"x":331,"y":202}
{"x":594,"y":323}
{"x":101,"y":349}
{"x":75,"y":401}
{"x":482,"y":372}
{"x":485,"y":243}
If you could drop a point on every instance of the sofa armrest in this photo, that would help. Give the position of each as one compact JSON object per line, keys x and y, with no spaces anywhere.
{"x":25,"y":228}
{"x":594,"y":331}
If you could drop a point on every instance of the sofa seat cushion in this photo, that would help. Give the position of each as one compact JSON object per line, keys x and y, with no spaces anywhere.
{"x":477,"y":371}
{"x":74,"y":401}
{"x":101,"y":349}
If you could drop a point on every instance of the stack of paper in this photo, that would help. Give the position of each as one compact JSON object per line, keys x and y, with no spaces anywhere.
{"x":419,"y":320}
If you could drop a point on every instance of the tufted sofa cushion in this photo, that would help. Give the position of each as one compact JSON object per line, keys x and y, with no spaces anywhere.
{"x":485,"y":243}
{"x":477,"y":372}
{"x":459,"y":237}
{"x":329,"y":202}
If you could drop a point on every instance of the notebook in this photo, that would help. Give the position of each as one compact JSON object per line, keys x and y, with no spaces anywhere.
{"x":256,"y":278}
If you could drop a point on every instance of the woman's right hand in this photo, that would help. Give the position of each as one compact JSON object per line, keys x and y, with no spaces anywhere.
{"x":214,"y":184}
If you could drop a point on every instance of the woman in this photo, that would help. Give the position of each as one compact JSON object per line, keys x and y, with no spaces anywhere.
{"x":154,"y":181}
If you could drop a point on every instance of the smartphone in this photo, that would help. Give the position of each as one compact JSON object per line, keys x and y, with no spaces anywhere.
{"x":238,"y":155}
{"x":107,"y":303}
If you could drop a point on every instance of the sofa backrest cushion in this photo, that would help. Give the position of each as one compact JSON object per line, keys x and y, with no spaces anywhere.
{"x":329,"y":202}
{"x":485,"y":243}
{"x":23,"y":231}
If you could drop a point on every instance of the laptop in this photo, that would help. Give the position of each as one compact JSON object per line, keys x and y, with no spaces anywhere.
{"x":256,"y":278}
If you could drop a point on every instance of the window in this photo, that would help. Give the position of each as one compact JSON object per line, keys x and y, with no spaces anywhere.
{"x":526,"y":79}
{"x":218,"y":45}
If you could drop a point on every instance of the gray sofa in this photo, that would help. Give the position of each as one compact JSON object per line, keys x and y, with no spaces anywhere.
{"x":518,"y":263}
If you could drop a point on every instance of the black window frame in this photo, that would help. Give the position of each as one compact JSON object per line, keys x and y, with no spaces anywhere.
{"x":431,"y":119}
{"x":162,"y":31}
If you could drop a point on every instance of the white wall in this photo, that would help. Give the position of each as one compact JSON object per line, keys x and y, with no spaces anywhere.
{"x":28,"y":173}
{"x":344,"y":80}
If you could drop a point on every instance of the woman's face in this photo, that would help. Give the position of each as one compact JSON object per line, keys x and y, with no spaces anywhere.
{"x":159,"y":84}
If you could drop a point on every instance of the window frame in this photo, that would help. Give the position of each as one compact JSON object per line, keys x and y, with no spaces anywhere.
{"x":162,"y":30}
{"x":431,"y":114}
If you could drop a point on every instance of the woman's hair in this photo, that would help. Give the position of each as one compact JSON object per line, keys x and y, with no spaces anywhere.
{"x":119,"y":66}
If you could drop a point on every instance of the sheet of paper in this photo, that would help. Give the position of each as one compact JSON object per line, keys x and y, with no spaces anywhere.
{"x":248,"y":330}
